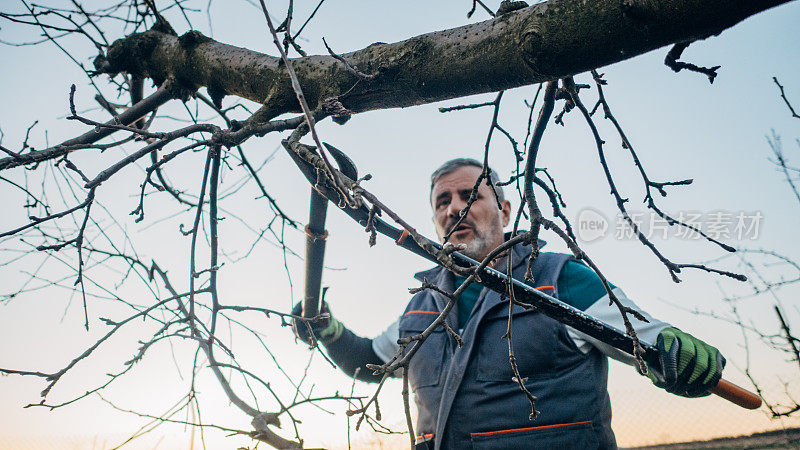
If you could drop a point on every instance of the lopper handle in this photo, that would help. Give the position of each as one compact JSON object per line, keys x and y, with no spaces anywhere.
{"x":736,"y":394}
{"x":315,"y":253}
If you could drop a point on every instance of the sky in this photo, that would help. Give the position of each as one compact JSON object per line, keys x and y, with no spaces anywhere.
{"x":682,"y":127}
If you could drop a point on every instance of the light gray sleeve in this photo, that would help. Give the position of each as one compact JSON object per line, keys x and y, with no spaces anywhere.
{"x":601,"y":310}
{"x":385,"y":344}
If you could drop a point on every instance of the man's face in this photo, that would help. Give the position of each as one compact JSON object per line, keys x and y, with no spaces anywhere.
{"x":482,"y":230}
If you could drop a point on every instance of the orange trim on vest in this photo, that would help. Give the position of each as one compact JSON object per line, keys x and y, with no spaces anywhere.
{"x":422,"y":312}
{"x":424,"y":437}
{"x":543,"y":427}
{"x":541,"y":288}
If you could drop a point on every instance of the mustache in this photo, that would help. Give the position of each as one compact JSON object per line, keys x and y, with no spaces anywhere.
{"x":463,"y":223}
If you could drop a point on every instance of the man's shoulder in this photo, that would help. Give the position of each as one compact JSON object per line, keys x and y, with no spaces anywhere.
{"x":424,"y":300}
{"x":428,"y":274}
{"x":422,"y":303}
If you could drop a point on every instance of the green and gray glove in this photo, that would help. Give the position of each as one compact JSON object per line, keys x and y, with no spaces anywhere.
{"x":325,"y":330}
{"x":689,"y":366}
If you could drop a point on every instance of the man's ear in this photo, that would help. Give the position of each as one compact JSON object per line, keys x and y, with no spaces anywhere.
{"x":506,"y":212}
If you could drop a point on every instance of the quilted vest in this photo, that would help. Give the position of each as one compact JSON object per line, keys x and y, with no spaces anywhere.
{"x":466,"y":397}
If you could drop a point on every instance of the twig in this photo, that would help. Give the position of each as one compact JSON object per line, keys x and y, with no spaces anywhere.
{"x":530,"y":165}
{"x":164,"y":93}
{"x":671,"y":61}
{"x":34,"y":221}
{"x":650,"y":201}
{"x":512,"y":359}
{"x":273,"y":204}
{"x":479,"y":2}
{"x":306,"y":111}
{"x":777,"y":149}
{"x":213,"y":222}
{"x":407,"y":409}
{"x":470,"y":106}
{"x":485,"y":174}
{"x":672,"y":267}
{"x":193,"y":245}
{"x":347,"y":65}
{"x":311,"y":16}
{"x":785,"y":100}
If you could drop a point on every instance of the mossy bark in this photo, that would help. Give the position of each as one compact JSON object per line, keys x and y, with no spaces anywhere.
{"x":542,"y":42}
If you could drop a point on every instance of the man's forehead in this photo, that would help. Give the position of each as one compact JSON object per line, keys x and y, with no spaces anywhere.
{"x":462,"y":178}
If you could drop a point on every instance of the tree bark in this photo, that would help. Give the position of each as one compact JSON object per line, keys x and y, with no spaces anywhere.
{"x":543,"y":42}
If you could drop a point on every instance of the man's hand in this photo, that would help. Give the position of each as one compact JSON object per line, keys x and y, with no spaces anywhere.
{"x":689,"y":366}
{"x":325,"y":330}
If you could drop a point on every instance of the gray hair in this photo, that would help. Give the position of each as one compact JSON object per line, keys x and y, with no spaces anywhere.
{"x":454,"y":164}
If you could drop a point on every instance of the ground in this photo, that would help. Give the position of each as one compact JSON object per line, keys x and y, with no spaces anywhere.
{"x":788,"y":438}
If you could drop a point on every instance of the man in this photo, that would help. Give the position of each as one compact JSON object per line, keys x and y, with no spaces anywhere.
{"x":467,"y":396}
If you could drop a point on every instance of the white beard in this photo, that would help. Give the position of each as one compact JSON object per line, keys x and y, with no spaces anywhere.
{"x":484,"y":240}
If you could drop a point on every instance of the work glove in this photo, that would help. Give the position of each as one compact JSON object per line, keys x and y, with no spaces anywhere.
{"x":325,"y":330}
{"x":689,"y":366}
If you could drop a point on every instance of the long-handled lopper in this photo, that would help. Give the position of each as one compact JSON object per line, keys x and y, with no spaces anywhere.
{"x":497,"y":281}
{"x":316,"y":234}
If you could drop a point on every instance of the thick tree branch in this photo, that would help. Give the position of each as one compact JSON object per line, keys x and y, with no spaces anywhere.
{"x":546,"y":41}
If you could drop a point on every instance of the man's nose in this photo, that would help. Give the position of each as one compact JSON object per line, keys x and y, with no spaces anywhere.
{"x":455,"y":207}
